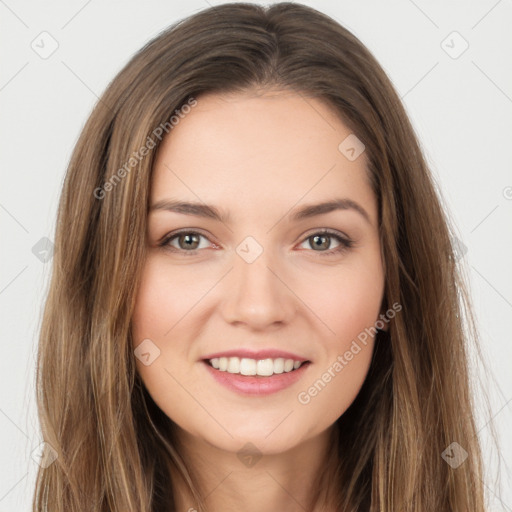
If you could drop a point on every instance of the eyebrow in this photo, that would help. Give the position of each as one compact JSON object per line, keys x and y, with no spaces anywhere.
{"x":304,"y":212}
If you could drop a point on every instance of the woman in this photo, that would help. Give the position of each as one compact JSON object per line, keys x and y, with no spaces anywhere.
{"x":254,"y":302}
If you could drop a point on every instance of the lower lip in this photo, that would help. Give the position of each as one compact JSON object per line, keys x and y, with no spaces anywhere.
{"x":257,"y":385}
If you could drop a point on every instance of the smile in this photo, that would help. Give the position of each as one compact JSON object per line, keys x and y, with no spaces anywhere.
{"x":262,"y":367}
{"x":266,"y":376}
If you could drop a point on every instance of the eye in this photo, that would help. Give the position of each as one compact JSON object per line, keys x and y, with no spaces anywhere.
{"x":189,"y":242}
{"x":185,"y":241}
{"x":321,"y":241}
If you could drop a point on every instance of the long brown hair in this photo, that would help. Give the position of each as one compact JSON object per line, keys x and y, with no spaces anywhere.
{"x":115,"y":448}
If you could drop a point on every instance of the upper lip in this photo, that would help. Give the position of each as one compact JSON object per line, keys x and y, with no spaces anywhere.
{"x":270,"y":353}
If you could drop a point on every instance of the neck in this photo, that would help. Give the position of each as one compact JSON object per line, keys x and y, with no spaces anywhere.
{"x":292,"y":481}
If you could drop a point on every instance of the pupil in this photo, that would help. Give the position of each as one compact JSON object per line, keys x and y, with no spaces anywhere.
{"x":324,"y":241}
{"x":190,"y":240}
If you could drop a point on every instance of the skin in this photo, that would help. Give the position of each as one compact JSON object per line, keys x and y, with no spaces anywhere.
{"x":257,"y":155}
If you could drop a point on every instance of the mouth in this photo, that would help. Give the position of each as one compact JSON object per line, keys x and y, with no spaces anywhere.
{"x":249,"y":367}
{"x":256,"y":377}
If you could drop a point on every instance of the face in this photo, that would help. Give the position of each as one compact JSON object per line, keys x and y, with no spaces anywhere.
{"x":254,"y":270}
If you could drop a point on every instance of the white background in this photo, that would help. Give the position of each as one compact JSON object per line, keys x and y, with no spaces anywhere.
{"x":461,"y":108}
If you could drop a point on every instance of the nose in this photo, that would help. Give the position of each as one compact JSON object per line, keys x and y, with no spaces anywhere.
{"x":258,"y":294}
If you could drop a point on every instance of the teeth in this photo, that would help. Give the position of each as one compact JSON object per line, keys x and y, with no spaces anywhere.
{"x":263,"y":367}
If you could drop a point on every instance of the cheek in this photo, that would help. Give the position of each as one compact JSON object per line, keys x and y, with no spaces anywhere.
{"x":166,"y":295}
{"x":155,"y":313}
{"x":336,"y":380}
{"x":332,"y":389}
{"x":346,"y":301}
{"x":166,"y":311}
{"x":147,"y":317}
{"x":349,"y":305}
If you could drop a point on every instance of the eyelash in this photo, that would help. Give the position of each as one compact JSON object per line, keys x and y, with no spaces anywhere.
{"x":345,"y":243}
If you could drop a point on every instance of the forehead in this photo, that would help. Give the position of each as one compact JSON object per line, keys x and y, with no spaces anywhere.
{"x":259,"y":149}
